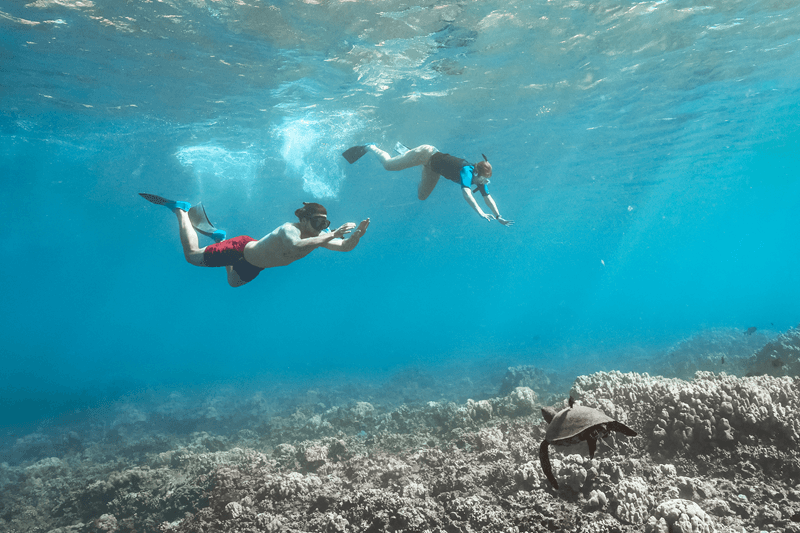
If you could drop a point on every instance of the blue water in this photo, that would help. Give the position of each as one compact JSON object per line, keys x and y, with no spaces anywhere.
{"x":647,"y":152}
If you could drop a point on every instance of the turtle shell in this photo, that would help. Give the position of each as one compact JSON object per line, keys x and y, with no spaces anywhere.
{"x":573,"y":420}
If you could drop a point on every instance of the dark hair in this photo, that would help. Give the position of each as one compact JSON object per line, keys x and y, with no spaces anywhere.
{"x":310,"y":209}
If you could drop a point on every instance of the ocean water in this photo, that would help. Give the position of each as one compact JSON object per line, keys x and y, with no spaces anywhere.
{"x":646,"y":150}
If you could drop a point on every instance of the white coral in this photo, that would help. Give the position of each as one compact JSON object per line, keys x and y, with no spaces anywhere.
{"x":480,"y":410}
{"x":522,"y":401}
{"x":633,"y":500}
{"x":414,"y":490}
{"x":294,"y":484}
{"x":528,"y":474}
{"x":679,"y":516}
{"x":571,"y":472}
{"x":491,"y":439}
{"x":107,"y":523}
{"x":362,"y":410}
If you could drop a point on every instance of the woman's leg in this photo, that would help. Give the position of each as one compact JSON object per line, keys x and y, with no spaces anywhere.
{"x":413,"y":158}
{"x":427,"y":182}
{"x":191,"y":246}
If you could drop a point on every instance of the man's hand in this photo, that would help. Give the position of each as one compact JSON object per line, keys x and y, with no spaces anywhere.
{"x":345,"y":245}
{"x":487,"y":216}
{"x":505,"y":222}
{"x":362,"y":228}
{"x":344,"y":229}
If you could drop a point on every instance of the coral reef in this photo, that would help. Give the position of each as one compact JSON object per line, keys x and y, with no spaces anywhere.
{"x":714,"y":453}
{"x":713,"y":411}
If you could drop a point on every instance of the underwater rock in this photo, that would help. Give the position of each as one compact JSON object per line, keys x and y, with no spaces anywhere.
{"x":522,"y":401}
{"x":780,"y":357}
{"x":712,"y":350}
{"x":31,"y":447}
{"x":50,"y":467}
{"x":524,"y":376}
{"x":313,"y":455}
{"x":107,"y":523}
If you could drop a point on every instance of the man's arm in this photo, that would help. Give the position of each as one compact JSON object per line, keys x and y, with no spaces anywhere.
{"x":345,"y":245}
{"x":467,"y":192}
{"x":493,"y":206}
{"x":292,"y":235}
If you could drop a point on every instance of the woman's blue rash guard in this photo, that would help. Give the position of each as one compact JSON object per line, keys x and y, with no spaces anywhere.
{"x":456,"y":169}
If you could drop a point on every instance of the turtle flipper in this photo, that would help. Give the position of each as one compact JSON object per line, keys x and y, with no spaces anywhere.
{"x":621,"y":428}
{"x":592,"y":446}
{"x":544,"y":459}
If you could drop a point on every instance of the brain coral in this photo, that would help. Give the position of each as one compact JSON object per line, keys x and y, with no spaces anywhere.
{"x":711,"y":410}
{"x":633,"y":501}
{"x":571,"y":472}
{"x":679,"y":516}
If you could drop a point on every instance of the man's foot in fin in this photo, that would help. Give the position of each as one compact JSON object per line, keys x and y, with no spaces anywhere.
{"x":201,"y":223}
{"x":354,"y":153}
{"x":400,"y":148}
{"x":169,"y":204}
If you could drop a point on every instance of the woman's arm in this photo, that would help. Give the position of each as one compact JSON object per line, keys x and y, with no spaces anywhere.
{"x":493,"y":206}
{"x":467,"y":192}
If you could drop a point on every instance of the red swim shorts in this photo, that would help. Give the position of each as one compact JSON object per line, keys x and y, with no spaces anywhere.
{"x":230,"y":252}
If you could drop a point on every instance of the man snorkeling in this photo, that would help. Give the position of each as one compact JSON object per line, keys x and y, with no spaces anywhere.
{"x":245,"y":257}
{"x":435,"y":164}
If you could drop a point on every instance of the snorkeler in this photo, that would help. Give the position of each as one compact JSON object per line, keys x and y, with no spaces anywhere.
{"x":434,"y":165}
{"x":245,"y":257}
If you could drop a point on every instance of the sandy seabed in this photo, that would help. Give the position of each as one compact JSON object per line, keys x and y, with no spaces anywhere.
{"x":716,"y":451}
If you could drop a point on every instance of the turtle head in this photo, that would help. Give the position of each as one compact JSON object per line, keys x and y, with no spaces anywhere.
{"x":548,"y":413}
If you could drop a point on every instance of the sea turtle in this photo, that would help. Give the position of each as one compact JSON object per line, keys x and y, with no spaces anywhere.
{"x":572,"y":425}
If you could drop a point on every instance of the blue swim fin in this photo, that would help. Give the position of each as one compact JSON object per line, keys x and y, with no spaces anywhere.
{"x":169,"y":204}
{"x":354,"y":153}
{"x":400,"y":148}
{"x":200,"y":222}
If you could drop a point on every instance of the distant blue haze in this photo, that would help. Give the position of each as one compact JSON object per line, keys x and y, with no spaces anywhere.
{"x":647,"y":151}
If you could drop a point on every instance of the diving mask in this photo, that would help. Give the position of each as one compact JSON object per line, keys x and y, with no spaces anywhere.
{"x":319,"y":223}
